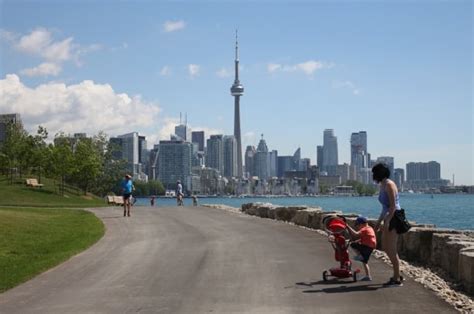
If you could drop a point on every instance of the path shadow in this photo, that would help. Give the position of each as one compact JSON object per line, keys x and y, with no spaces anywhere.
{"x":342,"y":286}
{"x":112,"y":217}
{"x":343,"y":289}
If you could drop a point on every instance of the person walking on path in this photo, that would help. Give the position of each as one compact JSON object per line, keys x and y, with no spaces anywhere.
{"x":127,"y":188}
{"x":364,"y":245}
{"x":179,"y":193}
{"x":152,"y":200}
{"x":389,"y":198}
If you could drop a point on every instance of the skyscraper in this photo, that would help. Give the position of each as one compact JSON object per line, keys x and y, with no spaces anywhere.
{"x":250,"y":160}
{"x":330,"y":156}
{"x":359,"y":149}
{"x":261,"y":160}
{"x":215,"y":153}
{"x":174,"y":164}
{"x":237,"y":90}
{"x":230,"y":156}
{"x":198,"y":137}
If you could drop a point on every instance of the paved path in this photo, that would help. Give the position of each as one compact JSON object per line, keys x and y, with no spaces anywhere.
{"x":201,"y":260}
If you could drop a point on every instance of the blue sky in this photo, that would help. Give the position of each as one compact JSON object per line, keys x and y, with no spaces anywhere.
{"x":402,"y":71}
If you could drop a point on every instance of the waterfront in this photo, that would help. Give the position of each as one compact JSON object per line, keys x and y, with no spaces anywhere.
{"x":444,"y":210}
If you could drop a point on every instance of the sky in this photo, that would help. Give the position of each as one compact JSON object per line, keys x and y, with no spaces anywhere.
{"x":400,"y":70}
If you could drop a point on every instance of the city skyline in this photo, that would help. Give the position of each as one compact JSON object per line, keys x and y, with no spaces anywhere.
{"x":405,"y":71}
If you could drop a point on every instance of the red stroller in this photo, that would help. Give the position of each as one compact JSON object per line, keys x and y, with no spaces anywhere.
{"x":339,"y":238}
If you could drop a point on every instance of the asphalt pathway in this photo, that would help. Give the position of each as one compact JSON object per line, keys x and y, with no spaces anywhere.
{"x":202,"y":260}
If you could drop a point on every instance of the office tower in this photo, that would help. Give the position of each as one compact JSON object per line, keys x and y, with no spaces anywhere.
{"x":399,"y":177}
{"x":132,"y":148}
{"x":174,"y":164}
{"x":261,"y":160}
{"x":330,"y":155}
{"x":297,"y":159}
{"x":285,"y":163}
{"x":237,"y":90}
{"x":358,"y":147}
{"x":250,"y":160}
{"x":230,"y":156}
{"x":5,"y":121}
{"x":198,"y":137}
{"x":180,"y":131}
{"x":389,"y":161}
{"x":153,"y":162}
{"x":423,"y":171}
{"x":215,"y":153}
{"x":272,"y":163}
{"x":320,"y":157}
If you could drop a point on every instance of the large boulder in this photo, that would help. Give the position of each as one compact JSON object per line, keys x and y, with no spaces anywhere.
{"x":305,"y":217}
{"x":466,"y":269}
{"x":415,"y":245}
{"x":262,"y":211}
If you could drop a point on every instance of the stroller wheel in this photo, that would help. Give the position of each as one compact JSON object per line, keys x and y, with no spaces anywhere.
{"x":354,"y":276}
{"x":325,"y":275}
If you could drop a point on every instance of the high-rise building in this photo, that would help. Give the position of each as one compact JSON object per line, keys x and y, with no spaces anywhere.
{"x":272,"y":163}
{"x":236,"y":91}
{"x":181,"y":130}
{"x":215,"y":153}
{"x":198,"y":137}
{"x":358,"y":147}
{"x":261,"y":160}
{"x":423,"y":171}
{"x":132,"y":148}
{"x":330,"y":153}
{"x":230,"y":156}
{"x":285,"y":163}
{"x":174,"y":164}
{"x":5,"y":120}
{"x":320,"y":157}
{"x":399,"y":177}
{"x":250,"y":161}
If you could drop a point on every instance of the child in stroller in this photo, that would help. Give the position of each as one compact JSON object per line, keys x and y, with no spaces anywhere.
{"x":340,"y":240}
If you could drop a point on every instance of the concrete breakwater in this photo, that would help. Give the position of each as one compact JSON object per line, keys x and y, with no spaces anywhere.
{"x":452,"y":251}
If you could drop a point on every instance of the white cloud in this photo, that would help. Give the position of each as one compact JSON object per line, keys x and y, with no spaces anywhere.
{"x":166,"y":70}
{"x":84,"y":107}
{"x":224,"y":73}
{"x":273,"y":67}
{"x":172,"y":26}
{"x":308,"y":67}
{"x":347,"y":85}
{"x":44,"y":69}
{"x":40,"y":43}
{"x":194,"y":70}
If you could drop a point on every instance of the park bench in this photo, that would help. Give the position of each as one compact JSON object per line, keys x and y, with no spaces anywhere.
{"x":118,"y":200}
{"x":110,"y":199}
{"x":33,"y":183}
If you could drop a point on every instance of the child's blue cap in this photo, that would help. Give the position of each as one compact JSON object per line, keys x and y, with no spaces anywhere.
{"x":361,"y":220}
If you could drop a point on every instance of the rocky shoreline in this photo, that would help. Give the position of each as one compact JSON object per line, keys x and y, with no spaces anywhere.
{"x":432,"y":276}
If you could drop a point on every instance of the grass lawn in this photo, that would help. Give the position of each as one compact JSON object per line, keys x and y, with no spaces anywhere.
{"x":33,"y":240}
{"x":18,"y":194}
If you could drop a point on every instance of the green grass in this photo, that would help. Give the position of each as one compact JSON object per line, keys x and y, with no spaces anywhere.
{"x":33,"y":240}
{"x":18,"y":194}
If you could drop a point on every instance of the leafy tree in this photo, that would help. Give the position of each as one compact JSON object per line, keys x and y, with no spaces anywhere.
{"x":62,"y":160}
{"x":13,"y":147}
{"x":88,"y":164}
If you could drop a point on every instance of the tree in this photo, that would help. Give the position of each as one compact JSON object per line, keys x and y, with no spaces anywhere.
{"x":88,"y":164}
{"x":13,"y":146}
{"x":61,"y":164}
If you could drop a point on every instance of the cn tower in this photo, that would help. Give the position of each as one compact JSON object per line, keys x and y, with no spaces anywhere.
{"x":237,"y":90}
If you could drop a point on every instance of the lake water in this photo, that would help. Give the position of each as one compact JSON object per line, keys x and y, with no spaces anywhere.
{"x":444,"y":210}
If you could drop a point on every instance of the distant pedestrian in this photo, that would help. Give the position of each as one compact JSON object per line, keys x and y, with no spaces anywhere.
{"x":127,"y":188}
{"x":195,"y":200}
{"x":364,"y":245}
{"x":179,"y":193}
{"x":389,"y":198}
{"x":152,"y":201}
